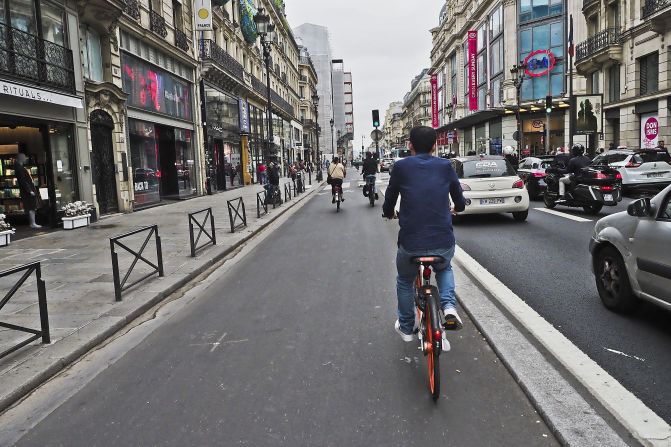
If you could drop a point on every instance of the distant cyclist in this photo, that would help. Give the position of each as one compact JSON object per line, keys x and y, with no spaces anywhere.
{"x":369,"y":168}
{"x":337,"y":172}
{"x":425,"y":184}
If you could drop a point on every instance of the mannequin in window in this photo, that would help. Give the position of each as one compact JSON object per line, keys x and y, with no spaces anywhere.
{"x":27,"y":187}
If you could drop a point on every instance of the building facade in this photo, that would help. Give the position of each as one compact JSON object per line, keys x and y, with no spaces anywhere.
{"x":316,"y":39}
{"x":417,"y":103}
{"x":308,"y":112}
{"x":393,"y":127}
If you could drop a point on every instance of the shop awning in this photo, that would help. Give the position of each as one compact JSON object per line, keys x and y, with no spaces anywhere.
{"x":472,"y":119}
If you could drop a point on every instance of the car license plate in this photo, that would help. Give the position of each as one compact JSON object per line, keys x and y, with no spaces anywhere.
{"x":494,"y":201}
{"x":655,"y":174}
{"x":608,"y":197}
{"x":541,"y":182}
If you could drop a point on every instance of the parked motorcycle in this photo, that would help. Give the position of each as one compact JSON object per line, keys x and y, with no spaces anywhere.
{"x":590,"y":190}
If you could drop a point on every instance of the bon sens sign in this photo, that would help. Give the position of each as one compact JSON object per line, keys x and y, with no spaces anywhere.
{"x":539,"y":63}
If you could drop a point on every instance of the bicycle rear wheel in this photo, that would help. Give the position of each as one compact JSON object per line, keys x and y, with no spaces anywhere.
{"x":432,"y":354}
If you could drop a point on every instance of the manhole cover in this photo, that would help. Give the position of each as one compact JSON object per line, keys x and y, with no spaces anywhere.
{"x":103,"y":226}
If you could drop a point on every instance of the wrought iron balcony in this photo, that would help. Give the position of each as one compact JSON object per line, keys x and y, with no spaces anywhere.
{"x":652,"y":6}
{"x":209,"y":50}
{"x":599,"y":42}
{"x":308,"y":123}
{"x":132,"y":8}
{"x":181,"y":41}
{"x":157,"y":24}
{"x":28,"y":58}
{"x":280,"y":102}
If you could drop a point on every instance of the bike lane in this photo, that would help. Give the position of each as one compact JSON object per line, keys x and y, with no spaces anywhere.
{"x":295,"y":346}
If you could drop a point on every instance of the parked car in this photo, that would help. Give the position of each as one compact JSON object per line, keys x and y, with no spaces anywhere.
{"x":641,"y":169}
{"x":386,"y":164}
{"x":631,"y":258}
{"x":532,"y":171}
{"x":490,"y":186}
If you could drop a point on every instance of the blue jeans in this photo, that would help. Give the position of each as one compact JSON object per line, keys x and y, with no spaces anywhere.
{"x":405,"y":283}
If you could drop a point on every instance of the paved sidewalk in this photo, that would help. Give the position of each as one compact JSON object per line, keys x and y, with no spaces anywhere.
{"x":77,"y":268}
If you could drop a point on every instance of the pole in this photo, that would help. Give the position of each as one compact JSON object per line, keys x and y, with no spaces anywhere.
{"x":547,"y":115}
{"x":377,"y":147}
{"x":266,"y":55}
{"x":570,"y":84}
{"x":519,"y":119}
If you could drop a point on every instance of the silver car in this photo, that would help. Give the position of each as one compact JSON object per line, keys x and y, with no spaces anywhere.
{"x":631,"y":254}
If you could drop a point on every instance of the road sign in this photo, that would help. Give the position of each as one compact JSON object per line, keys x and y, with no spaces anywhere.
{"x":450,"y":137}
{"x":376,"y":135}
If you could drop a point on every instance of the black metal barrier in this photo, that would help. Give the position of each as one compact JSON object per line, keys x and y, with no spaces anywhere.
{"x":120,"y":284}
{"x":236,"y":212}
{"x":287,"y":192}
{"x":28,"y":269}
{"x":211,"y":236}
{"x":261,"y":204}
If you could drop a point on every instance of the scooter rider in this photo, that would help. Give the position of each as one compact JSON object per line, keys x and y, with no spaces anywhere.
{"x":369,"y":168}
{"x":576,"y":163}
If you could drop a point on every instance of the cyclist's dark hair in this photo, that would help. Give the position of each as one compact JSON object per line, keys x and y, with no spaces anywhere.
{"x":422,"y":139}
{"x":369,"y":155}
{"x":336,"y":160}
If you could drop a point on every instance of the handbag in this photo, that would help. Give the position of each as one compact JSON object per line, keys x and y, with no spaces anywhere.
{"x":329,"y":179}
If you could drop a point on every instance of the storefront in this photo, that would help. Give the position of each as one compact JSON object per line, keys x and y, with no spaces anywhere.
{"x":223,"y":151}
{"x":160,"y":132}
{"x":257,"y":126}
{"x":533,"y":133}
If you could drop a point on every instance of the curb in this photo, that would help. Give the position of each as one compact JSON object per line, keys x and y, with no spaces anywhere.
{"x":119,"y":322}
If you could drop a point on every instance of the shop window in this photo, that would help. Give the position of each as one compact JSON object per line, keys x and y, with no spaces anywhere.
{"x":649,"y":73}
{"x":64,"y":167}
{"x":92,"y":56}
{"x":145,"y":162}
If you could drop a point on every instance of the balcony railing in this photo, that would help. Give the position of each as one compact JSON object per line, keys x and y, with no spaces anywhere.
{"x":587,"y":3}
{"x":599,"y":41}
{"x":132,"y":8}
{"x":181,"y":41}
{"x":652,"y":6}
{"x":308,"y":123}
{"x":27,"y":57}
{"x":157,"y":24}
{"x":280,"y":102}
{"x":210,"y":50}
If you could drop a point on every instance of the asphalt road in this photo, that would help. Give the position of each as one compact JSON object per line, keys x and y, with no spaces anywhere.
{"x":307,"y":356}
{"x":546,"y":262}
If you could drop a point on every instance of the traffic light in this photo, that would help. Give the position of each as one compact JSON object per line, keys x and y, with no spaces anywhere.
{"x":548,"y":104}
{"x":376,"y":118}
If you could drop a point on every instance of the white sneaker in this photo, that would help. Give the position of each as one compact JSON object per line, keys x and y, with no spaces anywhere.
{"x":405,"y":337}
{"x":445,"y":344}
{"x":35,"y":226}
{"x":452,"y":320}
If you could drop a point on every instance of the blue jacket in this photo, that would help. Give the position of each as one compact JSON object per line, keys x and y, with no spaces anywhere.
{"x":425,"y":184}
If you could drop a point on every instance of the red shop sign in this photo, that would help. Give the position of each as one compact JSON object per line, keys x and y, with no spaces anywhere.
{"x":539,"y":63}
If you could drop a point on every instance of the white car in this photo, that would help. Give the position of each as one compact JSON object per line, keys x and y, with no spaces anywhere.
{"x":490,"y":186}
{"x":631,"y":259}
{"x":640,"y":168}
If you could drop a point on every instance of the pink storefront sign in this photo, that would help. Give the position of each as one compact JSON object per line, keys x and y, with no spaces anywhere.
{"x":434,"y":102}
{"x":472,"y":70}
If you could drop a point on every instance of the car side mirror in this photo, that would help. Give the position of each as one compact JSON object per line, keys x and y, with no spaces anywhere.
{"x":639,"y":208}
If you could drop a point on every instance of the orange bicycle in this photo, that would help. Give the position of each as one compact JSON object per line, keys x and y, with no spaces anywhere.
{"x":431,"y":320}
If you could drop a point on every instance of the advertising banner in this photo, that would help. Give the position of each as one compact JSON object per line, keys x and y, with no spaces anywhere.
{"x":244,"y":116}
{"x":155,"y":90}
{"x":649,"y":130}
{"x":203,"y":9}
{"x":434,"y":102}
{"x":472,"y":70}
{"x":587,"y":115}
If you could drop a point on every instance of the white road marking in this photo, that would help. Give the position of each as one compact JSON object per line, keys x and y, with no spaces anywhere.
{"x":643,"y":423}
{"x":564,"y":215}
{"x":216,"y":344}
{"x":624,"y":355}
{"x":345,"y":185}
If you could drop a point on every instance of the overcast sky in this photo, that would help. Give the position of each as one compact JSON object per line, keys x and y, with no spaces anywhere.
{"x":384,"y":43}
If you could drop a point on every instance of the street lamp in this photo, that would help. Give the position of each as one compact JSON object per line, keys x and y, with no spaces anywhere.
{"x":265,"y":30}
{"x":518,"y":72}
{"x":450,"y":110}
{"x":315,"y":102}
{"x":332,"y":140}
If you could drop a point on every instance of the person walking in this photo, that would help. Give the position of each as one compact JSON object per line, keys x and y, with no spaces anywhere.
{"x":29,"y":194}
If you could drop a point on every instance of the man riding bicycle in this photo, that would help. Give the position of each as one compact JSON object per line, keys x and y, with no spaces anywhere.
{"x":369,"y":169}
{"x":425,"y":184}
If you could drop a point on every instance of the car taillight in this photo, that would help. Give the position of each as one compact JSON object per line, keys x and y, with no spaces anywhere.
{"x":539,"y":174}
{"x":518,"y":184}
{"x":601,"y":176}
{"x":465,"y":187}
{"x":618,"y":176}
{"x":631,"y":164}
{"x":606,"y":188}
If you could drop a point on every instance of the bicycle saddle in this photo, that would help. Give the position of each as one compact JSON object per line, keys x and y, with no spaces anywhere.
{"x":427,"y":260}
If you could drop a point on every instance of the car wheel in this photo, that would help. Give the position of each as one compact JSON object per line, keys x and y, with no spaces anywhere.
{"x":593,"y":209}
{"x":549,"y":201}
{"x":521,"y":216}
{"x":612,"y":281}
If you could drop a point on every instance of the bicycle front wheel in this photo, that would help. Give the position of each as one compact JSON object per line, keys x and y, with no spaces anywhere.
{"x":432,"y":357}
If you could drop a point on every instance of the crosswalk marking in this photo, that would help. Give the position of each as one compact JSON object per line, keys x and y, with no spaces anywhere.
{"x":564,"y":215}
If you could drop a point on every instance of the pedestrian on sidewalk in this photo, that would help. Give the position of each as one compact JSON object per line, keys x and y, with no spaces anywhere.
{"x":29,"y":194}
{"x":261,"y":173}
